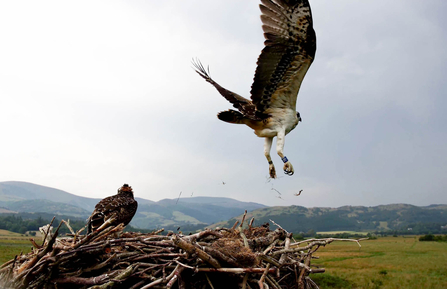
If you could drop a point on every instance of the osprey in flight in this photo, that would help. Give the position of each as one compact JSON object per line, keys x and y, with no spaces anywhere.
{"x":289,"y":50}
{"x":113,"y":210}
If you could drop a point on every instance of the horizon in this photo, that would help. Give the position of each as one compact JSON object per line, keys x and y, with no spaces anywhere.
{"x":191,"y":197}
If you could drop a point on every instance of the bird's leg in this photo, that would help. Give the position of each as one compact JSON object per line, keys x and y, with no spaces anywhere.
{"x":267,"y":147}
{"x":288,"y":168}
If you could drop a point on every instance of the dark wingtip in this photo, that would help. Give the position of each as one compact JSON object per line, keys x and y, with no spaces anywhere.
{"x":200,"y":69}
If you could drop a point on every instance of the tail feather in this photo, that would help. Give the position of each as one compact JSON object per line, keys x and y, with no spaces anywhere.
{"x":231,"y":116}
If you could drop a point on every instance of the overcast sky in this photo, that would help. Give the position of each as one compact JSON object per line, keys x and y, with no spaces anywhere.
{"x":94,"y":94}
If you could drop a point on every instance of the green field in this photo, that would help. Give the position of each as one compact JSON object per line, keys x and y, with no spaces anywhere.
{"x":341,"y":232}
{"x":11,"y":244}
{"x":389,"y":262}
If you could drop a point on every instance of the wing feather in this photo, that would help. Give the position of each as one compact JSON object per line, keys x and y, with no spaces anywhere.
{"x":245,"y":106}
{"x":288,"y":53}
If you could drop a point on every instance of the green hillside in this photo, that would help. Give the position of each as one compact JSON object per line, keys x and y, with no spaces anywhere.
{"x":352,"y":218}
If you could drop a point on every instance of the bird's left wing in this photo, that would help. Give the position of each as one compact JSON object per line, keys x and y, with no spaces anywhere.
{"x":245,"y":106}
{"x":289,"y":50}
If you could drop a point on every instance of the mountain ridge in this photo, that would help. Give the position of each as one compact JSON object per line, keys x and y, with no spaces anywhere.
{"x":192,"y":211}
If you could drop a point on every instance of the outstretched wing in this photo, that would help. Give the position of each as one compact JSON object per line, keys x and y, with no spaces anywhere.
{"x":245,"y":106}
{"x":289,"y":50}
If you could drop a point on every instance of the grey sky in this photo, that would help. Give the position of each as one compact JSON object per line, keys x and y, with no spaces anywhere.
{"x":94,"y":94}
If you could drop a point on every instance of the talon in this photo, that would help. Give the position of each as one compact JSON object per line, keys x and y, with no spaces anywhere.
{"x":288,"y":169}
{"x":272,"y":171}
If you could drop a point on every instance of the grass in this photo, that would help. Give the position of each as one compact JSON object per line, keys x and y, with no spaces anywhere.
{"x":342,"y":232}
{"x":11,"y":244}
{"x":383,"y":263}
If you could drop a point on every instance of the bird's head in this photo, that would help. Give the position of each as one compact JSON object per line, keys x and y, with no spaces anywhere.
{"x":125,"y":189}
{"x":298,"y":116}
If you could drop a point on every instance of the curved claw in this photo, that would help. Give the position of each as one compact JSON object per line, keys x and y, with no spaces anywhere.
{"x":288,"y":169}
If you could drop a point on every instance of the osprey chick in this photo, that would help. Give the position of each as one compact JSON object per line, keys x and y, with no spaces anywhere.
{"x":114,"y":210}
{"x":289,"y":51}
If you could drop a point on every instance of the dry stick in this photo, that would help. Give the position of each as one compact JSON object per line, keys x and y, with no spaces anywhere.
{"x":202,"y":234}
{"x":303,"y":272}
{"x":23,"y":269}
{"x":244,"y":281}
{"x":83,"y":281}
{"x":122,"y":276}
{"x":269,"y":260}
{"x":32,"y":264}
{"x":67,"y":223}
{"x":273,"y":282}
{"x":261,"y":281}
{"x":235,"y":224}
{"x":177,"y":273}
{"x":100,"y":265}
{"x":158,"y":231}
{"x":160,"y":280}
{"x":221,"y":256}
{"x":321,"y":242}
{"x":251,"y":222}
{"x":313,"y":284}
{"x":48,"y":230}
{"x":241,"y":233}
{"x":269,"y":248}
{"x":209,"y":281}
{"x":190,"y":248}
{"x":238,"y":270}
{"x":35,"y":245}
{"x":328,"y":241}
{"x":286,"y":246}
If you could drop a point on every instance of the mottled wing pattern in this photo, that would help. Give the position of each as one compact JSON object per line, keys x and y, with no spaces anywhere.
{"x":245,"y":106}
{"x":289,"y":50}
{"x":122,"y":205}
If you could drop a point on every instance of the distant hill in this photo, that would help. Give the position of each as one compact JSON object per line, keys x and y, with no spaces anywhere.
{"x":21,"y":191}
{"x":350,"y":218}
{"x":190,"y":211}
{"x":195,"y":212}
{"x":47,"y":206}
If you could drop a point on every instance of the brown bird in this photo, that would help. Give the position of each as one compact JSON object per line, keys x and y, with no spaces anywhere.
{"x":289,"y":51}
{"x":113,"y":210}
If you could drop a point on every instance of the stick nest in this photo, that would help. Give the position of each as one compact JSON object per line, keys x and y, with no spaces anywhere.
{"x":254,"y":257}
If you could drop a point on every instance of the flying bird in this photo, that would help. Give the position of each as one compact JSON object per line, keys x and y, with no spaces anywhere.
{"x":113,"y":210}
{"x":299,"y":193}
{"x":289,"y":51}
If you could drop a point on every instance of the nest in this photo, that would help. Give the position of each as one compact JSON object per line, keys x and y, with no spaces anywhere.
{"x":254,"y":257}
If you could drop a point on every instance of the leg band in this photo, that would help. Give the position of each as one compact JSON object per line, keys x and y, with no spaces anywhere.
{"x":284,"y":159}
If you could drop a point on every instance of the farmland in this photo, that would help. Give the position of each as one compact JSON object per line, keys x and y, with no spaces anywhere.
{"x":12,"y":244}
{"x":389,"y":262}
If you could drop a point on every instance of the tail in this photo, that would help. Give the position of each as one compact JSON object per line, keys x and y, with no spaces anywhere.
{"x":94,"y":222}
{"x":231,"y":116}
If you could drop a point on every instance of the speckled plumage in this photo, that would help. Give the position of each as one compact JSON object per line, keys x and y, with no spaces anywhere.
{"x":289,"y":51}
{"x":121,"y":206}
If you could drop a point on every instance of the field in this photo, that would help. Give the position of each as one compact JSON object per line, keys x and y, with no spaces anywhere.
{"x":12,"y":244}
{"x":341,"y":232}
{"x":389,"y":262}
